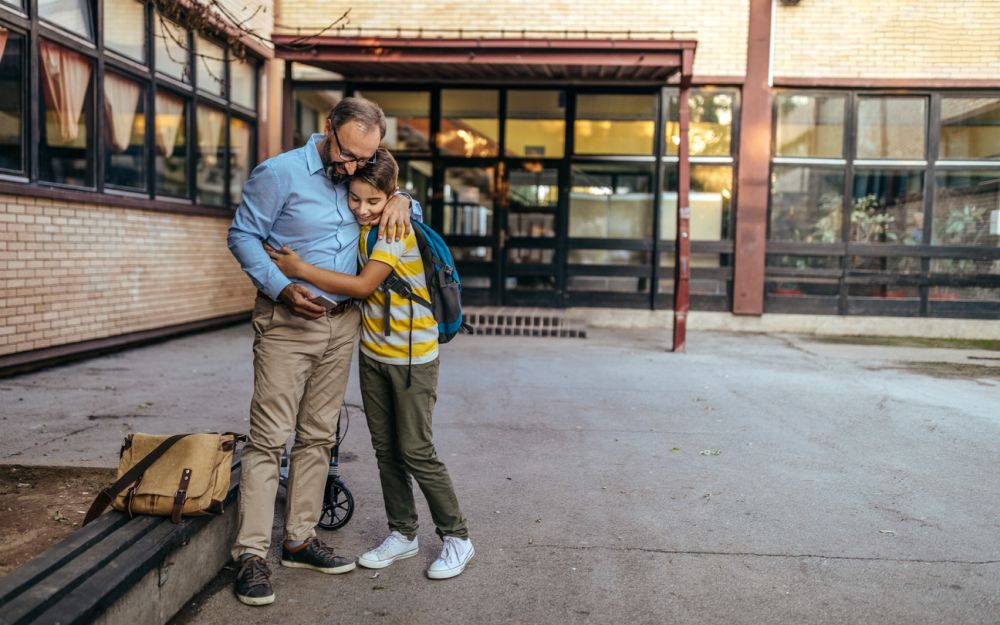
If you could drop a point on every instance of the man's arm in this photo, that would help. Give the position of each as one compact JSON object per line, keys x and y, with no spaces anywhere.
{"x":262,"y":202}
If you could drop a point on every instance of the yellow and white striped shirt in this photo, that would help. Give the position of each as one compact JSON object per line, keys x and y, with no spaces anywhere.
{"x":404,"y":257}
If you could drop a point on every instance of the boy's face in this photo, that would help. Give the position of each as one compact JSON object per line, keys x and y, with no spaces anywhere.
{"x":366,"y":202}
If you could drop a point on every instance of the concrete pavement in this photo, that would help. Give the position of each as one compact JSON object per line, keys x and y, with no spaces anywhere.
{"x":755,"y":479}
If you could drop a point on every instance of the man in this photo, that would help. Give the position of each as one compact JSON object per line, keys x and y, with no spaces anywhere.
{"x":302,"y":348}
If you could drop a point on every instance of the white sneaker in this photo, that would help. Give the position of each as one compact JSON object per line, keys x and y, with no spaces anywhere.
{"x":394,"y":547}
{"x":455,"y":554}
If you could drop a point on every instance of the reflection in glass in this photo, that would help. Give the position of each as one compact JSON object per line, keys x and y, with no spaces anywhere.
{"x":73,"y":15}
{"x":407,"y":116}
{"x":807,"y":204}
{"x":125,"y":28}
{"x":471,"y":254}
{"x":312,"y":108}
{"x":891,"y":127}
{"x":887,"y":206}
{"x":172,"y":49}
{"x":243,"y":84}
{"x":11,"y":102}
{"x":970,"y":128}
{"x":536,"y":123}
{"x":241,"y":157}
{"x":611,"y":201}
{"x":614,"y":124}
{"x":468,"y":201}
{"x":809,"y":125}
{"x":710,"y":127}
{"x":171,"y":146}
{"x":210,"y":170}
{"x":125,"y":127}
{"x":415,"y":178}
{"x":211,"y":70}
{"x":966,"y":202}
{"x":533,"y":196}
{"x":710,"y":198}
{"x":469,"y":122}
{"x":68,"y":111}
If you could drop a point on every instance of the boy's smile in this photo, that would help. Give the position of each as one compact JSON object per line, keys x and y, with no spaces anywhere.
{"x":366,"y":202}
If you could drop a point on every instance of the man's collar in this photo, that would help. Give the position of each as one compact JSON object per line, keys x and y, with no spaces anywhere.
{"x":313,"y":159}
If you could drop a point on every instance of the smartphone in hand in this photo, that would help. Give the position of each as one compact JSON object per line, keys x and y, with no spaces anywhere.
{"x":325,"y":302}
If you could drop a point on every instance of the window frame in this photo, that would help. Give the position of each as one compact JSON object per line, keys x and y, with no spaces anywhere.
{"x":28,"y":182}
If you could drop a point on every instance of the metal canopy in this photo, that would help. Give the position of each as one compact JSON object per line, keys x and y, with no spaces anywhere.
{"x":530,"y":60}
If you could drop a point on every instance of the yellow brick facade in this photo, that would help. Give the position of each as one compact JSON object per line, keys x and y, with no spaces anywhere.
{"x":889,"y":39}
{"x":720,"y":26}
{"x":74,"y":272}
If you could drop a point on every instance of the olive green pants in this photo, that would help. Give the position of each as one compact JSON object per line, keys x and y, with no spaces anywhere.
{"x":399,"y":419}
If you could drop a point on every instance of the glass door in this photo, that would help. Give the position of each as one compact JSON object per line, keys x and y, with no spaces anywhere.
{"x":529,"y":251}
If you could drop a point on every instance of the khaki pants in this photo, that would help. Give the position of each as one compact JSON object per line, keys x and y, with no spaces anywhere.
{"x":301,"y":368}
{"x":399,"y":419}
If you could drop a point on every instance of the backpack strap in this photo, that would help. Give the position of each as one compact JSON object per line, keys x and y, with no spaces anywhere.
{"x":106,"y":496}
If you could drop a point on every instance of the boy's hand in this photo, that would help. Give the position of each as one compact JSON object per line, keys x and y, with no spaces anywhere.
{"x":287,"y":261}
{"x":394,"y":224}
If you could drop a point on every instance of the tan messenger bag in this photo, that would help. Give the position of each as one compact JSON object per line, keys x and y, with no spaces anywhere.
{"x":183,"y":474}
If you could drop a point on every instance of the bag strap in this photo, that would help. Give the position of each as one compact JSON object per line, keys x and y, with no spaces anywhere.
{"x":106,"y":496}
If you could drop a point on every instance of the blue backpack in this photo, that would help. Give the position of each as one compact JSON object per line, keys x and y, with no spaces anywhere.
{"x":442,"y":279}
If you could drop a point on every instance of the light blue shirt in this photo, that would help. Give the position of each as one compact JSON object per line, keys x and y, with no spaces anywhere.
{"x":289,"y":201}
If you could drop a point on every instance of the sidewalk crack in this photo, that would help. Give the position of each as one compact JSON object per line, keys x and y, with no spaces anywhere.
{"x":744,"y":554}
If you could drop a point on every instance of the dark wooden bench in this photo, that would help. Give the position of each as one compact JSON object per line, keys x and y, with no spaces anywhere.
{"x":120,"y":570}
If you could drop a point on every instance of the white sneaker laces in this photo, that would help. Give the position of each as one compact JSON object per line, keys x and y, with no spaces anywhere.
{"x":389,"y":544}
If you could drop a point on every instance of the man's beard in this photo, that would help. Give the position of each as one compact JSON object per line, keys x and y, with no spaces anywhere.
{"x":330,"y":167}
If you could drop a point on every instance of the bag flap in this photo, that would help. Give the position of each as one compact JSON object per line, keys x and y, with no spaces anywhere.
{"x":202,"y":453}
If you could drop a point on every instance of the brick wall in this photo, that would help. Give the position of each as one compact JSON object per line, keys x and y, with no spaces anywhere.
{"x":74,"y":272}
{"x":720,"y":26}
{"x":888,"y":39}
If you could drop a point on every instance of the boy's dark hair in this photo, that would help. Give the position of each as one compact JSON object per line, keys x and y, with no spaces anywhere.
{"x":361,"y":110}
{"x":382,"y":173}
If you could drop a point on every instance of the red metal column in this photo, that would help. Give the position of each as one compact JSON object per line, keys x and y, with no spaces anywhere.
{"x":682,"y":259}
{"x":753,"y":184}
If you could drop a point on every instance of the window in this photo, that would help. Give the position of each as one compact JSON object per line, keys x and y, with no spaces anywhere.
{"x":710,"y":126}
{"x":970,"y":128}
{"x":211,"y":170}
{"x":809,"y":125}
{"x":125,"y":121}
{"x":125,"y":28}
{"x":67,"y":114}
{"x":891,"y":127}
{"x":844,"y":222}
{"x":168,"y":128}
{"x":611,"y":202}
{"x":536,"y":124}
{"x":211,"y":70}
{"x":614,"y":124}
{"x":408,"y":119}
{"x":172,"y":49}
{"x":243,"y":74}
{"x":72,"y":15}
{"x":11,"y":100}
{"x":311,"y":109}
{"x":171,"y":145}
{"x":470,"y":123}
{"x":468,"y":200}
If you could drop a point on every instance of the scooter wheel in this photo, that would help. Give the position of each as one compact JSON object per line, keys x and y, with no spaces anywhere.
{"x":338,"y":505}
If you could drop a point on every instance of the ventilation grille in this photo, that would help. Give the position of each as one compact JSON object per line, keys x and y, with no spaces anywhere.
{"x":524,"y":322}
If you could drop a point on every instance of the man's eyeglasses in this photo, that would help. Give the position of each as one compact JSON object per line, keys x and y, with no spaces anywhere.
{"x":347,"y":157}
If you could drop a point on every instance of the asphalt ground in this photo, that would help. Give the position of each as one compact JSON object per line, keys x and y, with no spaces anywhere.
{"x":754,"y":479}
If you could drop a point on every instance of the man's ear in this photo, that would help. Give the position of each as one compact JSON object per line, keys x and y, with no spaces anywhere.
{"x":327,"y":126}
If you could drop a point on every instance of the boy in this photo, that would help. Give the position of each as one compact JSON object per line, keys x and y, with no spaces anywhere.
{"x":399,"y":375}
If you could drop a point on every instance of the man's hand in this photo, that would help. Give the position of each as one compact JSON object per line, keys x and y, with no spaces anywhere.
{"x":395,"y":222}
{"x":298,"y":300}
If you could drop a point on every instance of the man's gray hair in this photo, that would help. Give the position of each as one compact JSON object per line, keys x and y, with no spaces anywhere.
{"x":359,"y":110}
